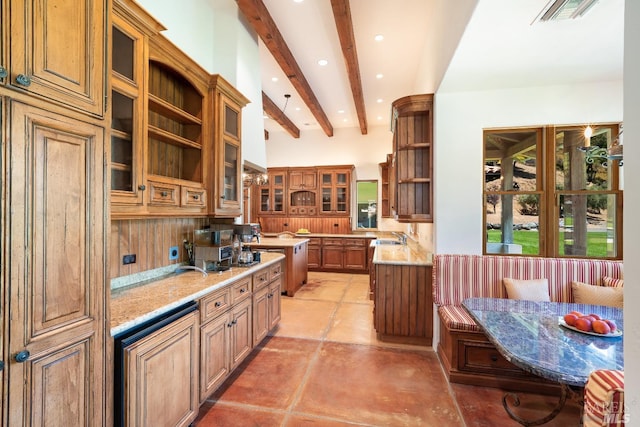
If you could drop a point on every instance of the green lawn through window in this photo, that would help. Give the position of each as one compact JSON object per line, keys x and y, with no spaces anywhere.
{"x":596,"y":242}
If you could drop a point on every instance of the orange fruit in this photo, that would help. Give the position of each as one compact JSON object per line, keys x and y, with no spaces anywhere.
{"x":570,"y":319}
{"x":577,"y":313}
{"x":600,"y":326}
{"x":612,"y":325}
{"x":583,"y":324}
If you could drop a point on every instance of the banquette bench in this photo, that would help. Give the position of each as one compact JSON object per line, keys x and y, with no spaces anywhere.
{"x":464,"y":351}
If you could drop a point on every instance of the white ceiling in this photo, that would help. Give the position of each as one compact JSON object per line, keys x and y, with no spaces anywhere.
{"x":424,"y":40}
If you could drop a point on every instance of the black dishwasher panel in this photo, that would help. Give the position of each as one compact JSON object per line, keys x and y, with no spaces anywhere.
{"x":131,"y":336}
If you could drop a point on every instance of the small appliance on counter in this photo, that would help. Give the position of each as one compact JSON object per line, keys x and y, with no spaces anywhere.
{"x":247,"y":232}
{"x":213,"y":250}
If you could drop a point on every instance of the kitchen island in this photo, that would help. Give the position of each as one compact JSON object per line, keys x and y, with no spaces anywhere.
{"x":402,"y":294}
{"x":295,"y":250}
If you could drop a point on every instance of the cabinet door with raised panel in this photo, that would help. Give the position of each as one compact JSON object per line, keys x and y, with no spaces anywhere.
{"x":4,"y":37}
{"x":161,"y":376}
{"x":214,"y":354}
{"x":260,"y":315}
{"x":241,"y":336}
{"x":57,"y":51}
{"x":55,"y":265}
{"x":273,"y":299}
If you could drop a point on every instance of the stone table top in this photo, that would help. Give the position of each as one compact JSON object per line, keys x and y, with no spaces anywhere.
{"x":528,"y":334}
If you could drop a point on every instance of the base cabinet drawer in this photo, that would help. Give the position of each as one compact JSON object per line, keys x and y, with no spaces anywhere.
{"x":478,"y":356}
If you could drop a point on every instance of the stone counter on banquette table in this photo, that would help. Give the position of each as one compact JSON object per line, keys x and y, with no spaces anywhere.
{"x":136,"y":304}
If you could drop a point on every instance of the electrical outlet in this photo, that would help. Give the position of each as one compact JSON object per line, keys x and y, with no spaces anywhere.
{"x":129,"y":259}
{"x":173,"y":253}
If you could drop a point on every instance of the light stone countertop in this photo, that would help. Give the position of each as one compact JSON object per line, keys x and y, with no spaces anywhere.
{"x":277,"y":242}
{"x":135,"y":304}
{"x":409,"y":254}
{"x":363,"y":235}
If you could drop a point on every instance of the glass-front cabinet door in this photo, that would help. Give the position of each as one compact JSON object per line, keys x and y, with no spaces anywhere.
{"x":227,"y":169}
{"x":272,"y":200}
{"x":127,"y":118}
{"x":335,"y":192}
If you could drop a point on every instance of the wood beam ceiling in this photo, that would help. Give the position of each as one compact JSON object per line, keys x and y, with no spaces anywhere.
{"x":259,"y":18}
{"x":344,"y":25}
{"x":276,"y":114}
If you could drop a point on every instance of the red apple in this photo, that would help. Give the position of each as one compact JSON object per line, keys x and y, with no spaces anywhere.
{"x":595,"y":316}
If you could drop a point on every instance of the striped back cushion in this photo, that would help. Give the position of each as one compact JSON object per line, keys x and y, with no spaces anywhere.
{"x":604,"y":399}
{"x":456,"y":277}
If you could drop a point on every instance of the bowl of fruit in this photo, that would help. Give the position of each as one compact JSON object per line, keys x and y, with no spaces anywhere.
{"x":591,"y":324}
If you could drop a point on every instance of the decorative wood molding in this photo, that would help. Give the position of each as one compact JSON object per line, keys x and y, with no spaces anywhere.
{"x":259,"y":18}
{"x":344,"y":25}
{"x":276,"y":114}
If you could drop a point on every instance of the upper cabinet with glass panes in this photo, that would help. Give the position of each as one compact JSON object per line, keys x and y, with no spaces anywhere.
{"x":559,"y":198}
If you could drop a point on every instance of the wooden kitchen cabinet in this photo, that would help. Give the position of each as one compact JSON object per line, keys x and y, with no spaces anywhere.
{"x":272,"y":194}
{"x":335,"y":186}
{"x":53,"y":275}
{"x":403,"y":304}
{"x":385,"y":182}
{"x":225,"y":180}
{"x":266,"y":302}
{"x":344,"y":254}
{"x":162,"y":376}
{"x":303,"y":179}
{"x":226,"y":337}
{"x":314,"y":253}
{"x":57,"y":51}
{"x":413,"y":156}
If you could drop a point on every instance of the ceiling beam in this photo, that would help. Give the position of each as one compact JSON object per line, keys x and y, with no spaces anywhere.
{"x":276,"y":114}
{"x":344,"y":25}
{"x":259,"y":18}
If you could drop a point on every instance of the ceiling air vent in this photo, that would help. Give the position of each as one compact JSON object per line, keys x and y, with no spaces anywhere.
{"x":556,"y":10}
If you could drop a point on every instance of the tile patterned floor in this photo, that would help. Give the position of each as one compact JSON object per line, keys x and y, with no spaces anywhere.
{"x":323,"y":366}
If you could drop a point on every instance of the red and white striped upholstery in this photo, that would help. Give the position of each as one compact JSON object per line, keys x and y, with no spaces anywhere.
{"x":604,"y":399}
{"x":457,"y":277}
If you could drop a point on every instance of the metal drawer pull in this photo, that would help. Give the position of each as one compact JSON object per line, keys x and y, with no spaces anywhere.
{"x":243,"y":290}
{"x":163,"y":193}
{"x":217,"y":304}
{"x":494,"y":358}
{"x":3,"y":72}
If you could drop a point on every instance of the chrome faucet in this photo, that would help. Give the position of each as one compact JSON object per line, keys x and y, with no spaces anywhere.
{"x":401,"y":236}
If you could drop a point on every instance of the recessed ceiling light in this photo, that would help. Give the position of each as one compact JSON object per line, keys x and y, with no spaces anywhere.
{"x":379,"y":76}
{"x":379,"y":117}
{"x":345,"y":120}
{"x":297,"y":108}
{"x":379,"y":100}
{"x":323,"y":62}
{"x":341,"y":111}
{"x":298,"y":1}
{"x":274,"y":79}
{"x":378,"y":37}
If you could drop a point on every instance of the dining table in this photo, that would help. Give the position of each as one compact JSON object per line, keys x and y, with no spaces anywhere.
{"x":534,"y":336}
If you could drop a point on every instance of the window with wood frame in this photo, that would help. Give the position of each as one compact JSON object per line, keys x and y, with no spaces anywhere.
{"x":553,"y":191}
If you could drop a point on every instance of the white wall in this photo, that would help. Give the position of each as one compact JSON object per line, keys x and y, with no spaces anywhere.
{"x":213,"y":33}
{"x":459,"y":120}
{"x":631,"y":209}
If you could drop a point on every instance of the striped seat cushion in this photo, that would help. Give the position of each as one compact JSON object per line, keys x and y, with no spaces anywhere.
{"x":604,"y":399}
{"x":457,"y":277}
{"x":456,"y":318}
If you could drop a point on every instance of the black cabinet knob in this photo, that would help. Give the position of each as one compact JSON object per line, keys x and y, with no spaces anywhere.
{"x":494,"y":357}
{"x":163,"y":193}
{"x":142,"y":187}
{"x":23,"y":80}
{"x":23,"y":356}
{"x":217,"y":304}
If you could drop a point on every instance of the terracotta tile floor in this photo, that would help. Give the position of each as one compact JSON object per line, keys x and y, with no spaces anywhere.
{"x":323,"y":366}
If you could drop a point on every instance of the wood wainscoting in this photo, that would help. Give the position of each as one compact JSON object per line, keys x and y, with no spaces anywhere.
{"x":328,"y":225}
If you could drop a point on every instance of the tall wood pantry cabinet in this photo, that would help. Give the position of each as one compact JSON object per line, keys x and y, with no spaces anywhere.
{"x":52,"y":288}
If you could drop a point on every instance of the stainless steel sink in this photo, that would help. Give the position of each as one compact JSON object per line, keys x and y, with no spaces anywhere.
{"x":387,"y":242}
